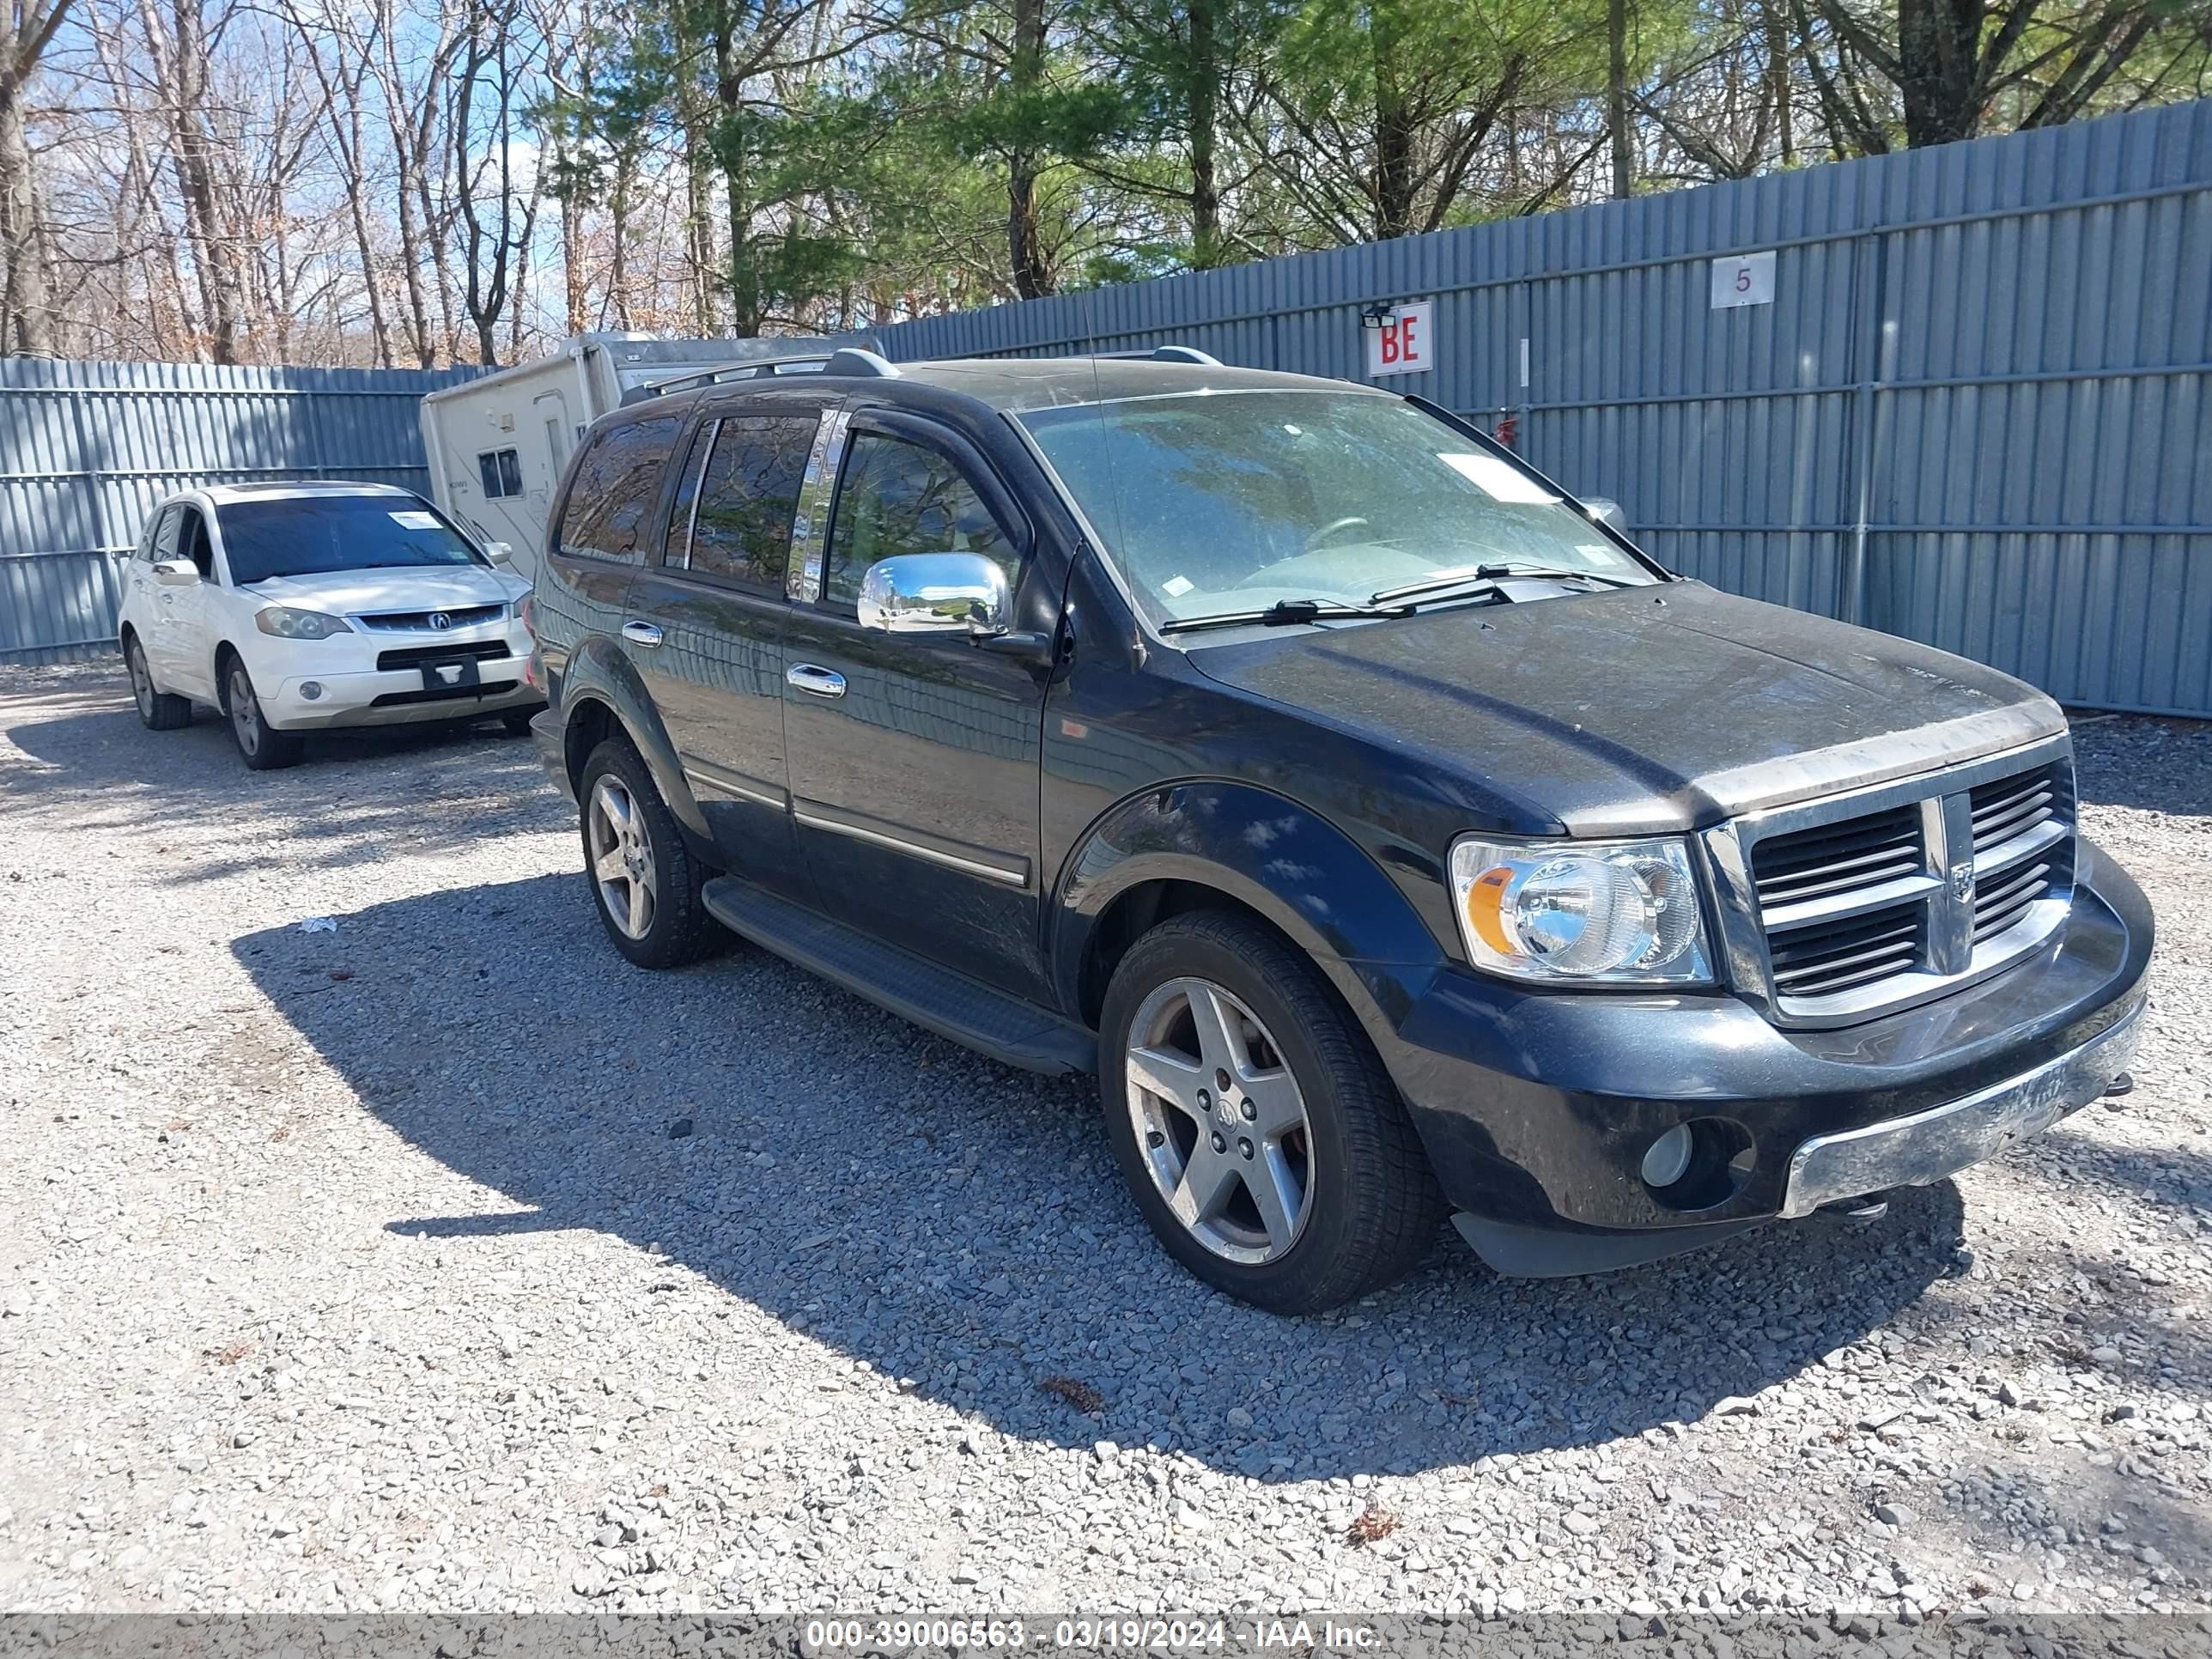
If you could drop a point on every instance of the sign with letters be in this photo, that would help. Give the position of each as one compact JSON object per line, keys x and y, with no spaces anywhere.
{"x":1743,"y":279}
{"x":1404,"y":344}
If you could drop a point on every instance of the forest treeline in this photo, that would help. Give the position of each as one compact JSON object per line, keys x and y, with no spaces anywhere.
{"x":418,"y":182}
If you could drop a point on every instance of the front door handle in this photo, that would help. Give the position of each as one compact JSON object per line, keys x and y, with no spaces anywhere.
{"x":641,"y":633}
{"x":820,"y":682}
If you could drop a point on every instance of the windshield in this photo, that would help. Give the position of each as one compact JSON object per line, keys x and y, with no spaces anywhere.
{"x":310,"y":535}
{"x":1217,"y":502}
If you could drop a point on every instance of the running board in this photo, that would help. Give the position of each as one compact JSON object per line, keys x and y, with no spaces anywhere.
{"x":950,"y":1004}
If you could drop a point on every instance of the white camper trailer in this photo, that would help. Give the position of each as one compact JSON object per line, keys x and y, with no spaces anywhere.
{"x":496,"y":444}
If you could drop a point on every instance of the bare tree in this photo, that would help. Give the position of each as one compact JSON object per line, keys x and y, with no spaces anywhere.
{"x":27,"y":29}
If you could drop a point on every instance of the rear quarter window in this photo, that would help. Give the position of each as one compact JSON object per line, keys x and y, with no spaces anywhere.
{"x":610,"y":510}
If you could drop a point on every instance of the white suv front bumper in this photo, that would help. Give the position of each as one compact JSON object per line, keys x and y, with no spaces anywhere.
{"x":387,"y":677}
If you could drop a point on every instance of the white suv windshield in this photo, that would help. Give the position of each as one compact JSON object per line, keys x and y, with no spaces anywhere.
{"x":1217,"y":502}
{"x":312,"y":535}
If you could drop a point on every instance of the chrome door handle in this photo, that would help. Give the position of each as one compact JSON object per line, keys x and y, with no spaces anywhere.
{"x":821,"y":682}
{"x":641,"y":633}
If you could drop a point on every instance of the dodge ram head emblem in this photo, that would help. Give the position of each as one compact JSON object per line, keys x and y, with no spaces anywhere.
{"x":1962,"y":881}
{"x":440,"y":621}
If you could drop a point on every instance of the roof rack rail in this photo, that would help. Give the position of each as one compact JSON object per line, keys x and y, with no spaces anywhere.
{"x":1168,"y":354}
{"x":844,"y":359}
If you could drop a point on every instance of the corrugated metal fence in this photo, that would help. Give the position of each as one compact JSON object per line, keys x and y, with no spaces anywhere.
{"x":86,"y":449}
{"x":1973,"y":412}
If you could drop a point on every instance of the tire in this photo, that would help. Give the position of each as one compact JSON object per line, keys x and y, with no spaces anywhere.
{"x":260,"y":745}
{"x":674,"y":927}
{"x":158,"y":711}
{"x":1370,"y":1208}
{"x":517,"y":721}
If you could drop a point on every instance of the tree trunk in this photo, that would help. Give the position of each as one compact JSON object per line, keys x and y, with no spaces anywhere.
{"x":211,"y":252}
{"x":1939,"y":44}
{"x":1393,"y":188}
{"x":1025,"y":255}
{"x":1778,"y":80}
{"x":28,"y":312}
{"x":1616,"y":96}
{"x":1204,"y":115}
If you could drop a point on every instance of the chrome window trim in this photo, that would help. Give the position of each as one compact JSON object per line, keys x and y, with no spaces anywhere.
{"x":712,"y":432}
{"x":1946,"y":839}
{"x":818,"y":492}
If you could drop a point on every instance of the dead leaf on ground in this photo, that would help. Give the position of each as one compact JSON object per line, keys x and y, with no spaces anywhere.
{"x":1078,"y":1393}
{"x":1373,"y":1524}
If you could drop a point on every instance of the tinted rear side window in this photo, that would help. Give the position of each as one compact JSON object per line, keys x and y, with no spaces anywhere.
{"x":616,"y":486}
{"x":751,"y":490}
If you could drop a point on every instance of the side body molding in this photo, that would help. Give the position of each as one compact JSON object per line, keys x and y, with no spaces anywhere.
{"x":1281,"y":858}
{"x":598,"y":671}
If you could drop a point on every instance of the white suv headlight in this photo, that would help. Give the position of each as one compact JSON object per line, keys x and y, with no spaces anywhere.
{"x":287,"y":623}
{"x":1580,"y":912}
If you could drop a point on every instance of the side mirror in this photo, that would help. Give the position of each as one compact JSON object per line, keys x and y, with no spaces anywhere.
{"x":499,"y":553}
{"x":176,"y":572}
{"x":1607,"y":513}
{"x":936,"y":593}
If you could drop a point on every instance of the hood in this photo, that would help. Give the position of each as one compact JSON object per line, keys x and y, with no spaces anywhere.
{"x":415,"y":587}
{"x":1644,"y":710}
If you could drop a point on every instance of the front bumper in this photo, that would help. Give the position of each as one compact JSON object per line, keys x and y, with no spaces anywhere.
{"x":1536,"y":1111}
{"x":352,"y":689}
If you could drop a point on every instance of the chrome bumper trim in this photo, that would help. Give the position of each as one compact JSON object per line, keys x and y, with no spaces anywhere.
{"x":1924,"y":1148}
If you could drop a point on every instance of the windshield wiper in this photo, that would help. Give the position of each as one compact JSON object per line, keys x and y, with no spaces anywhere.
{"x":1285,"y":613}
{"x":1485,"y":574}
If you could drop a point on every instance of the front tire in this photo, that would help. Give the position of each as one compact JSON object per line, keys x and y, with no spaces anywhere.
{"x":260,"y":745}
{"x":1298,"y":1185}
{"x":158,"y":711}
{"x":645,"y":881}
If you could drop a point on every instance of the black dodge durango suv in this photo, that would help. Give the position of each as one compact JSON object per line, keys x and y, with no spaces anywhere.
{"x":1389,"y":835}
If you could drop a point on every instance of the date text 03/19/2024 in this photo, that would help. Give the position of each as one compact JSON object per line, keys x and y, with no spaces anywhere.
{"x":1200,"y":1635}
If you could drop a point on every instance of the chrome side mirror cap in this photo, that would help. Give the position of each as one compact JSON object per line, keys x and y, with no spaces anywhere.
{"x":1607,"y":511}
{"x":499,"y":553}
{"x":936,"y":593}
{"x":176,"y":572}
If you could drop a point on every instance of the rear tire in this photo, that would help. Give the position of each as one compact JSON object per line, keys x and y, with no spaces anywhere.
{"x":645,"y":881}
{"x":1302,"y":1184}
{"x":517,"y":721}
{"x":158,"y":711}
{"x":260,"y":745}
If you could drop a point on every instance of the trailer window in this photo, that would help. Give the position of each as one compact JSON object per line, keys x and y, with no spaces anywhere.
{"x":501,"y":471}
{"x":616,"y":486}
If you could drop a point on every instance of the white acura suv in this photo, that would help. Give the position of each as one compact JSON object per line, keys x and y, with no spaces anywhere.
{"x":295,"y":606}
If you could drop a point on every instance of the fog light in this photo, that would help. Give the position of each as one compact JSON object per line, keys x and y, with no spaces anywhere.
{"x":1668,"y":1160}
{"x":311,"y":689}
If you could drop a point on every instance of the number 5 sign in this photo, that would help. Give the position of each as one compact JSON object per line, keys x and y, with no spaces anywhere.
{"x":1743,"y":279}
{"x":1402,"y":344}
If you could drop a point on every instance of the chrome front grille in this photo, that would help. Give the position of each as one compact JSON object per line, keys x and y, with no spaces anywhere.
{"x":418,"y":621}
{"x":1840,"y":909}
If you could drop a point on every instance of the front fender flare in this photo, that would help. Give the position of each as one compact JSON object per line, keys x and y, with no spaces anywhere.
{"x":600,"y":670}
{"x":1278,"y":857}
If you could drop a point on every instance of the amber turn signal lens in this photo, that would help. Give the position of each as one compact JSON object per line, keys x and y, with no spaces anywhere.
{"x":1485,"y":909}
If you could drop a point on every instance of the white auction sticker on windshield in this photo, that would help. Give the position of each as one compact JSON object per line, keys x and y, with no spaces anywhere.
{"x":416,"y":521}
{"x":1499,"y":480}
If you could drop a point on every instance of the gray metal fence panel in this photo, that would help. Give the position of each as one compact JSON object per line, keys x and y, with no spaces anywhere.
{"x":88,"y":449}
{"x":1974,"y":413}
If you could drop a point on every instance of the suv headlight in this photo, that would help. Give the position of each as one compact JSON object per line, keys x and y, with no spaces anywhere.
{"x":286,"y":623}
{"x":1579,"y":912}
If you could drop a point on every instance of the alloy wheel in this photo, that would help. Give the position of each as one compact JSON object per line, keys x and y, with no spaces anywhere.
{"x":142,"y":683}
{"x":1221,"y":1123}
{"x":622,"y":858}
{"x":245,"y":712}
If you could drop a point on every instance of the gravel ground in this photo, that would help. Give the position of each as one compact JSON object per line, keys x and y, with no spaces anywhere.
{"x":443,"y":1262}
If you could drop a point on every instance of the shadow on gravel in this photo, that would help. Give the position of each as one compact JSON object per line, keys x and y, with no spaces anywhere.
{"x":961,"y":1225}
{"x":2144,"y":761}
{"x":90,"y":755}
